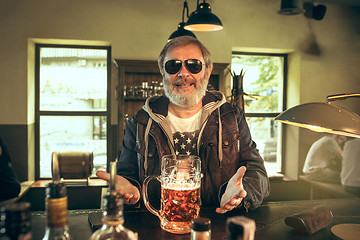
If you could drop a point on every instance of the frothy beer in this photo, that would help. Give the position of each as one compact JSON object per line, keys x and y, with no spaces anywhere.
{"x":180,"y":192}
{"x":179,"y":205}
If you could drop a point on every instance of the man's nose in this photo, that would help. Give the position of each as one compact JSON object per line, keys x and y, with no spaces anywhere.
{"x":183,"y":71}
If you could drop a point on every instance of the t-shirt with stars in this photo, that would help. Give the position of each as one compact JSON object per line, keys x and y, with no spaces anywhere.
{"x":185,"y":132}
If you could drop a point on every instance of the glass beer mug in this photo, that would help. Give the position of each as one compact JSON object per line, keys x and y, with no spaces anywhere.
{"x":180,"y":192}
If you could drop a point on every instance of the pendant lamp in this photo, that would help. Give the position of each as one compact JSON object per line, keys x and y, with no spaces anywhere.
{"x":181,"y":31}
{"x":290,"y":7}
{"x":203,"y":20}
{"x":324,"y":117}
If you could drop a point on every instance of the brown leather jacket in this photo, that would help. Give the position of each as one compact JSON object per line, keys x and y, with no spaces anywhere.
{"x":224,"y":145}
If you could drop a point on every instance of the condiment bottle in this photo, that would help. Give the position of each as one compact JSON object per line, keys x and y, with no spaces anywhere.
{"x":200,"y":229}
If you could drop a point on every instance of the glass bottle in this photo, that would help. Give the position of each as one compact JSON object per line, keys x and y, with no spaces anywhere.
{"x":3,"y":234}
{"x":15,"y":222}
{"x":56,"y":203}
{"x":113,"y":218}
{"x":126,"y":119}
{"x":56,"y":211}
{"x":200,"y":229}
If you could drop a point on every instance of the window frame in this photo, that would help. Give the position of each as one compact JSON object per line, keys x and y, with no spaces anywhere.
{"x":39,"y":113}
{"x":285,"y":57}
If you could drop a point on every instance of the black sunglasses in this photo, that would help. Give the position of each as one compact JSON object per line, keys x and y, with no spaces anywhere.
{"x":192,"y":65}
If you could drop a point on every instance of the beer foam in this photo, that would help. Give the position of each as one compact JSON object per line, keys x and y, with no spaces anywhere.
{"x":181,"y":186}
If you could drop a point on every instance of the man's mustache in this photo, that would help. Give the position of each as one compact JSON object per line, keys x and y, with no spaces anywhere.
{"x":181,"y":81}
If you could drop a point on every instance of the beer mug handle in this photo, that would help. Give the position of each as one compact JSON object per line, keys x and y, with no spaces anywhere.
{"x":146,"y":198}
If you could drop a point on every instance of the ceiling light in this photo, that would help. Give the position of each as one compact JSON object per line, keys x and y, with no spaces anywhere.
{"x":290,"y":7}
{"x":324,"y":117}
{"x":315,"y":12}
{"x":181,"y":31}
{"x":203,"y":20}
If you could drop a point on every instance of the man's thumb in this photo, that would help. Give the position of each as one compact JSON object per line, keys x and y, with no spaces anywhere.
{"x":239,"y":174}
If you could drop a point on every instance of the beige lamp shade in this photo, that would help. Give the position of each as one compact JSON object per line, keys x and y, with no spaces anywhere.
{"x":322,"y":117}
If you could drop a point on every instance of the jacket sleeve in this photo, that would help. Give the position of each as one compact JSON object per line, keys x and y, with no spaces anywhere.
{"x":255,"y":181}
{"x":127,"y":165}
{"x":9,"y":183}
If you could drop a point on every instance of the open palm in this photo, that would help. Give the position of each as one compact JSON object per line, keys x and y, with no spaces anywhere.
{"x":129,"y":192}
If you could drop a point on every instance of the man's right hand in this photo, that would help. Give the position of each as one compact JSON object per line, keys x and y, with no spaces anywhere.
{"x":129,"y":192}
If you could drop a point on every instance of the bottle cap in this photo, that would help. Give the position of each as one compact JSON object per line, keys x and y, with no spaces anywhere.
{"x":201,"y":224}
{"x":55,"y":190}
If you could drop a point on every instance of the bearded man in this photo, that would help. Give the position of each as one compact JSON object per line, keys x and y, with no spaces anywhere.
{"x":188,"y":119}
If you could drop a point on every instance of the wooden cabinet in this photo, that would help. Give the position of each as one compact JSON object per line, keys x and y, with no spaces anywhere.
{"x":138,"y":79}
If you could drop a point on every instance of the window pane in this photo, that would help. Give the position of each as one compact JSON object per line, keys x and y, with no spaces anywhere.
{"x":69,"y":133}
{"x":263,"y":77}
{"x":265,"y":133}
{"x":73,"y":79}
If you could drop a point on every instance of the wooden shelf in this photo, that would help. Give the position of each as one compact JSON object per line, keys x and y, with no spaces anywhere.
{"x":135,"y":99}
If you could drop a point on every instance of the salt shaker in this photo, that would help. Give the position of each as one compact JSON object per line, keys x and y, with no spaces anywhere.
{"x":200,"y":229}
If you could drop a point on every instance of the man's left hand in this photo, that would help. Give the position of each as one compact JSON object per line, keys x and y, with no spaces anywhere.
{"x":234,"y":192}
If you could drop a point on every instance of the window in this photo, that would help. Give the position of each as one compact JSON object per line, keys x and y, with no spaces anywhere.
{"x":264,"y":81}
{"x":72,"y":103}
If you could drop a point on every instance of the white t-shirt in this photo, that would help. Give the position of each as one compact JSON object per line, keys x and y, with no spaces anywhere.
{"x":350,"y":171}
{"x":321,"y":154}
{"x":185,"y":132}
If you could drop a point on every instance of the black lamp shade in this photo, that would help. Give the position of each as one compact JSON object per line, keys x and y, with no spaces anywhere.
{"x":181,"y":32}
{"x":203,"y":20}
{"x":319,"y":12}
{"x":314,"y":12}
{"x":290,"y":7}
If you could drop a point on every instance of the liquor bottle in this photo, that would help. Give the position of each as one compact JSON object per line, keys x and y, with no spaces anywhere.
{"x":56,"y":206}
{"x":15,"y":222}
{"x":113,"y":218}
{"x":56,"y":211}
{"x":200,"y":229}
{"x":3,"y":234}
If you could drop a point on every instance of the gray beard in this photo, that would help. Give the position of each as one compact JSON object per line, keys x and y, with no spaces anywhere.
{"x":185,"y":101}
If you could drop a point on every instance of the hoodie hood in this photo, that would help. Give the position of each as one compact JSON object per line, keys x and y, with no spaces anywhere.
{"x":157,"y":108}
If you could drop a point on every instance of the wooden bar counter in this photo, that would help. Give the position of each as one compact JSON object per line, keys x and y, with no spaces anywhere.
{"x":269,"y":219}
